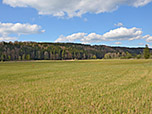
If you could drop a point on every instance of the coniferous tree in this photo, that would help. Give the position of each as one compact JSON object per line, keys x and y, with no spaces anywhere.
{"x":146,"y":52}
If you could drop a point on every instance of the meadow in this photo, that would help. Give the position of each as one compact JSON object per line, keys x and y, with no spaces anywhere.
{"x":76,"y":87}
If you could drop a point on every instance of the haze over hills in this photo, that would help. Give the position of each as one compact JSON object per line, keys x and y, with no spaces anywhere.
{"x":62,"y":51}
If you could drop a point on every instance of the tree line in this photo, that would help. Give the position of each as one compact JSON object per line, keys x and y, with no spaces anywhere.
{"x":126,"y":55}
{"x":20,"y":51}
{"x":42,"y":51}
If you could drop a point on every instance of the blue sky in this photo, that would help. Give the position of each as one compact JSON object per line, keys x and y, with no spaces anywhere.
{"x":119,"y":24}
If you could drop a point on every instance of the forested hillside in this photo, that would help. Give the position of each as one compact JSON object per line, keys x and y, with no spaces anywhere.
{"x":60,"y":51}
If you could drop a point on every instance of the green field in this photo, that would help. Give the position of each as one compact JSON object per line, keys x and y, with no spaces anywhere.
{"x":93,"y":86}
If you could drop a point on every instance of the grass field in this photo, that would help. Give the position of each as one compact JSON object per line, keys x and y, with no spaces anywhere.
{"x":93,"y":86}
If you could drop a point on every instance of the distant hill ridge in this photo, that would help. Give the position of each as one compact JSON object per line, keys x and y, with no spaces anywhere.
{"x":59,"y":51}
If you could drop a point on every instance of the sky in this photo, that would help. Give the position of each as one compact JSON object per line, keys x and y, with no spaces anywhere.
{"x":96,"y":22}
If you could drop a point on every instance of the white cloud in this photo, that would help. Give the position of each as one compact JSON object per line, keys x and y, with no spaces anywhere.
{"x":8,"y":38}
{"x":71,"y":38}
{"x":118,"y":43}
{"x":119,"y":24}
{"x":7,"y":29}
{"x":148,"y":38}
{"x":73,"y":8}
{"x":121,"y":33}
{"x":92,"y":37}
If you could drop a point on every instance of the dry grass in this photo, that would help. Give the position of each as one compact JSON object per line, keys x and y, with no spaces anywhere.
{"x":99,"y":86}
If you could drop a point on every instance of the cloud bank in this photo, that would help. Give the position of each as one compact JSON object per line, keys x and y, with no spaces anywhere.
{"x":73,"y":8}
{"x":9,"y":29}
{"x":118,"y":34}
